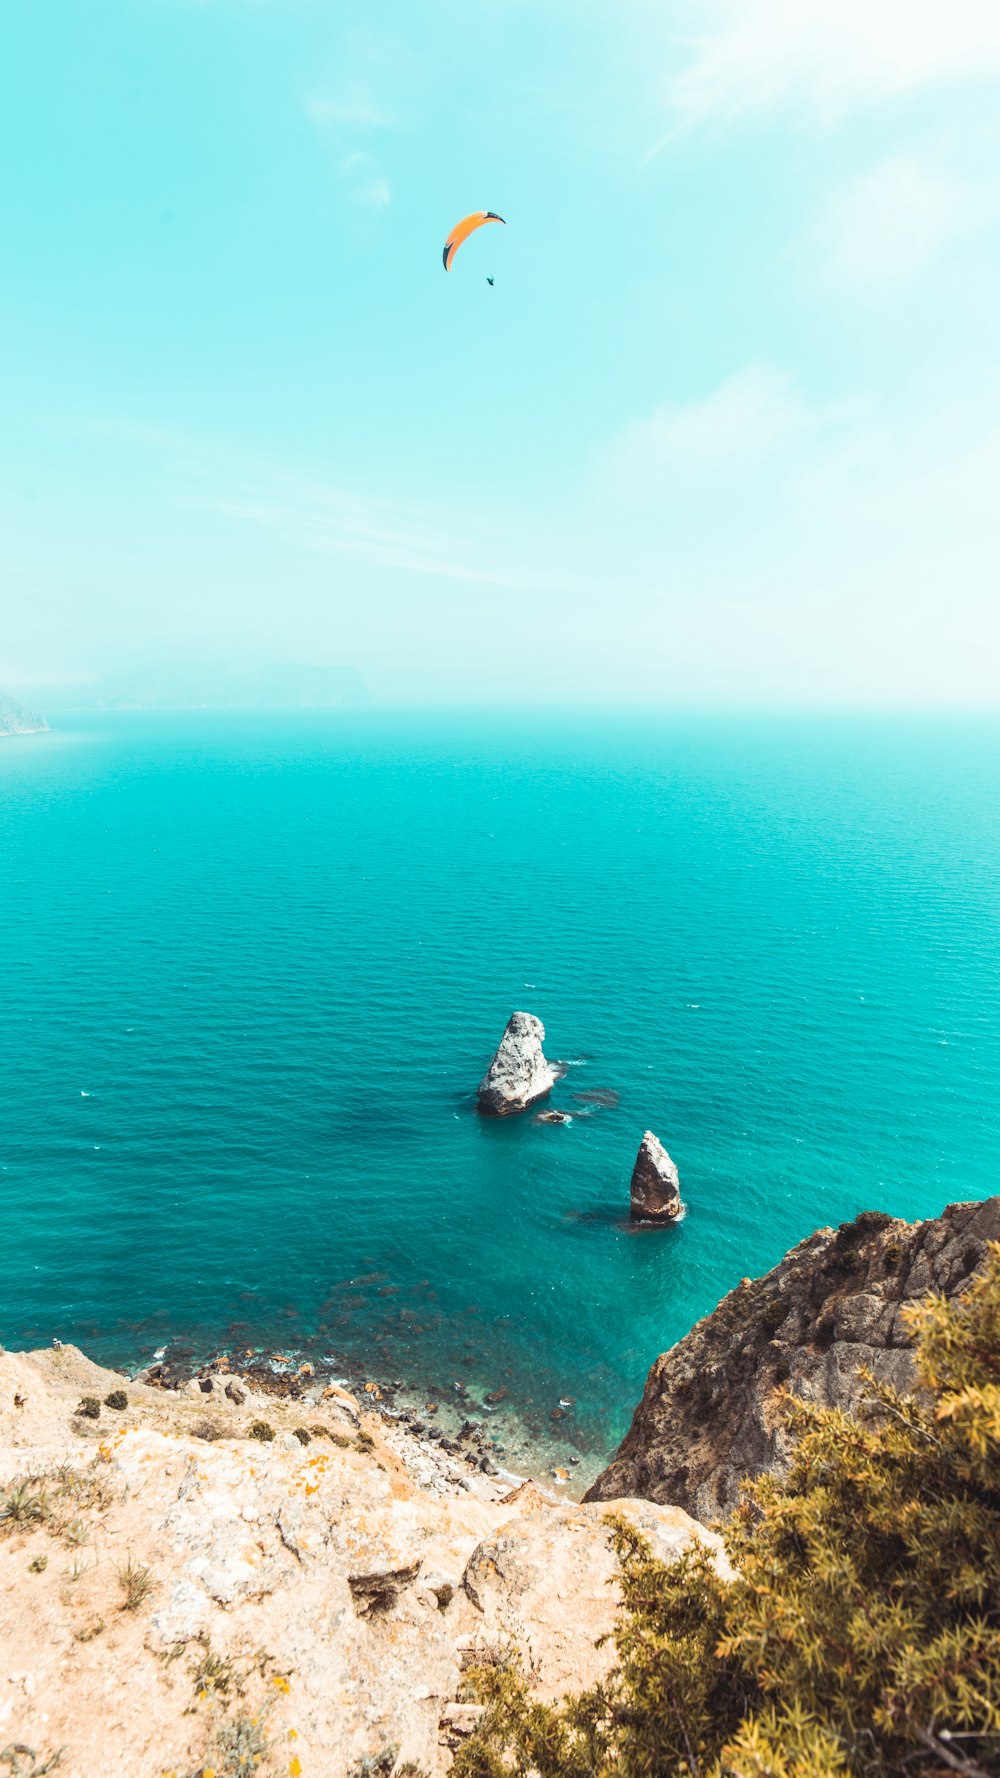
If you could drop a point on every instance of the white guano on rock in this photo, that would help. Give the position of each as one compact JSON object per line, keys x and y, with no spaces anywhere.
{"x":519,"y":1074}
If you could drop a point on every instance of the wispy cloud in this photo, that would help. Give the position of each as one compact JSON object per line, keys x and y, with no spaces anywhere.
{"x":334,"y":522}
{"x":365,"y":183}
{"x":818,"y":59}
{"x":354,"y":108}
{"x":317,"y":514}
{"x":342,"y":116}
{"x":834,"y":546}
{"x":753,"y":416}
{"x":879,"y":231}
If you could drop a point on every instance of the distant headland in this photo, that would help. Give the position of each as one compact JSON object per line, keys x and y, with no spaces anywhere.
{"x":217,"y":685}
{"x":16,"y":720}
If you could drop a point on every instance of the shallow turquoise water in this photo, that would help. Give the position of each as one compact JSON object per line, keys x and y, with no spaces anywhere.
{"x":251,"y":971}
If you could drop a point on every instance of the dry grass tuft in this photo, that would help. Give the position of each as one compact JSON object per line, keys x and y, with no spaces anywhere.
{"x":136,"y":1582}
{"x":25,"y":1503}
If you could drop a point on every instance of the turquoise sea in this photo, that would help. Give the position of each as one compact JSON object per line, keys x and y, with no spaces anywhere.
{"x":252,"y":969}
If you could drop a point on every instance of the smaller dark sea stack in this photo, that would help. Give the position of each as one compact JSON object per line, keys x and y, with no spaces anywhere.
{"x":656,"y":1186}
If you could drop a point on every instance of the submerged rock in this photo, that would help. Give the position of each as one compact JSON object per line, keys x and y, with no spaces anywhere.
{"x":656,"y":1186}
{"x":519,"y":1074}
{"x":553,"y":1117}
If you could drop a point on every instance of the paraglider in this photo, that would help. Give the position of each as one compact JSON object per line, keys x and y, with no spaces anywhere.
{"x":462,"y":230}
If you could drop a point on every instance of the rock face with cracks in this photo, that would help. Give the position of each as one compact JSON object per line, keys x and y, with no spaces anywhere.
{"x":711,"y":1413}
{"x":172,"y":1588}
{"x":519,"y":1074}
{"x":656,"y":1188}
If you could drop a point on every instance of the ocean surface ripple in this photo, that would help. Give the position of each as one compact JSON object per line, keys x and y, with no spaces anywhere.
{"x":252,"y":971}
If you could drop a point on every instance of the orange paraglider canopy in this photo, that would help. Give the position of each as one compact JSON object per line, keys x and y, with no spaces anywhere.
{"x":462,"y":230}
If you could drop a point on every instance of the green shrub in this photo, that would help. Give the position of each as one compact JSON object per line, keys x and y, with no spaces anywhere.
{"x":303,"y":1435}
{"x":261,"y":1430}
{"x":336,"y":1438}
{"x":240,"y":1744}
{"x":870,"y":1221}
{"x":213,"y":1673}
{"x":90,"y":1408}
{"x":376,"y":1765}
{"x":117,"y":1400}
{"x":861,"y":1638}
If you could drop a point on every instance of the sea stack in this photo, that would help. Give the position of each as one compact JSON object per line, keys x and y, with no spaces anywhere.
{"x":656,"y":1186}
{"x":518,"y":1075}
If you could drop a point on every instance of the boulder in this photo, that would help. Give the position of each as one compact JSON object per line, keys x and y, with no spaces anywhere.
{"x":519,"y":1074}
{"x":656,"y":1186}
{"x":548,"y":1580}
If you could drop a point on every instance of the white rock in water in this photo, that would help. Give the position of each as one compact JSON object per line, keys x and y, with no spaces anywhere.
{"x":518,"y":1074}
{"x":656,"y":1186}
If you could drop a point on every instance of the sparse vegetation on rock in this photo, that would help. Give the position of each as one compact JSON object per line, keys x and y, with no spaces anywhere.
{"x":136,"y":1582}
{"x":24,"y":1503}
{"x":20,"y":1761}
{"x":239,"y":1745}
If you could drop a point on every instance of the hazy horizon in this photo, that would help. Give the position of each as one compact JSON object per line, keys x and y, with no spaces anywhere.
{"x":69,"y":699}
{"x":725,"y":429}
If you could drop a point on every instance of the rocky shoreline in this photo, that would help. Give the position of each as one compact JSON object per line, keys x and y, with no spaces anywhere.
{"x":462,"y":1438}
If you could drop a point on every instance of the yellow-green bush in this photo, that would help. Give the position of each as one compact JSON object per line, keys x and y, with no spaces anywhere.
{"x":862,"y":1636}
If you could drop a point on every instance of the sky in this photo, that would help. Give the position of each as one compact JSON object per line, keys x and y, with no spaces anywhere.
{"x":725,"y":428}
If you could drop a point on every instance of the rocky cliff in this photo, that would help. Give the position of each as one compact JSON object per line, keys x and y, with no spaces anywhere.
{"x":16,"y":720}
{"x":193,"y":1579}
{"x":711,"y":1411}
